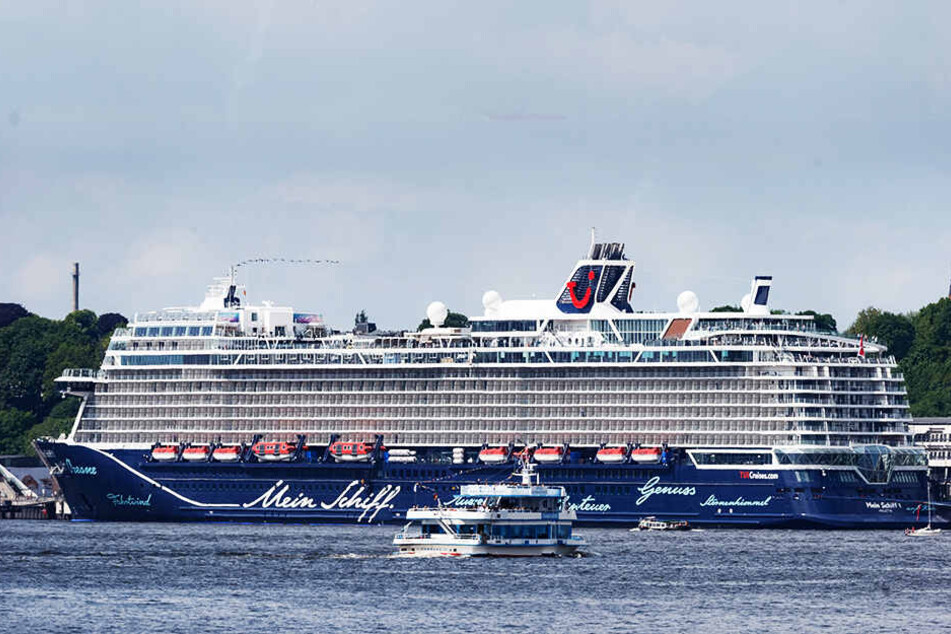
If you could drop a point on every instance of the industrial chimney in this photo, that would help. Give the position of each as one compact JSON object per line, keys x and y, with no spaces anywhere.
{"x":75,"y":286}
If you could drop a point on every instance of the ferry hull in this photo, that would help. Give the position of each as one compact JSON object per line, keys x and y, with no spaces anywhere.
{"x":423,"y":549}
{"x":123,"y":485}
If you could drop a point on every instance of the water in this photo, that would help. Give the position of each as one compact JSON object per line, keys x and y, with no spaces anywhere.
{"x":88,"y":577}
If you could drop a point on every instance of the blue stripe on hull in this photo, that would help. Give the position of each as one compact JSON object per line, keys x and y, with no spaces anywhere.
{"x":124,"y":486}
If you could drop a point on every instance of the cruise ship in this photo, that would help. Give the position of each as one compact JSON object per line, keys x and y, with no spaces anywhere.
{"x":236,"y":412}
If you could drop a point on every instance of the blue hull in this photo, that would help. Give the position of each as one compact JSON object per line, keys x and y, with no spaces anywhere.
{"x":123,"y":485}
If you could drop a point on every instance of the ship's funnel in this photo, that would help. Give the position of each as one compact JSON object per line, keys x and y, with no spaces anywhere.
{"x":759,"y":295}
{"x":605,"y":278}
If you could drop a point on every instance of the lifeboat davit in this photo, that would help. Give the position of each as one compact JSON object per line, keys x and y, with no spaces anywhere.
{"x":274,"y":451}
{"x":231,"y":453}
{"x":549,"y":454}
{"x":646,"y":454}
{"x":196,"y":453}
{"x":612,"y":455}
{"x":165,"y":453}
{"x":494,"y":455}
{"x":351,"y":451}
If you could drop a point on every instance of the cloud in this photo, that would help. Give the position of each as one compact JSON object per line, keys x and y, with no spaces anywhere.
{"x":167,"y":254}
{"x":41,"y":278}
{"x":349,"y":193}
{"x":618,"y":60}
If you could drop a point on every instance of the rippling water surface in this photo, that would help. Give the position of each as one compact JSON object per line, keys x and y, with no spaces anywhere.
{"x":88,"y":577}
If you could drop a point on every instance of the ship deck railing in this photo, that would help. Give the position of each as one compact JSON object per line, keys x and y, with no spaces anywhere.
{"x":81,"y":373}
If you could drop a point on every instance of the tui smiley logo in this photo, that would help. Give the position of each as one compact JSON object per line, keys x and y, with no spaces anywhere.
{"x":581,"y":303}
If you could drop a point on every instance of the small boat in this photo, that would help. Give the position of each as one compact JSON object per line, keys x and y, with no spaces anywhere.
{"x":165,"y":453}
{"x":351,"y":451}
{"x":548,"y":455}
{"x":227,"y":453}
{"x":196,"y":453}
{"x":612,"y":455}
{"x":646,"y":455}
{"x":494,"y":455}
{"x":924,"y":531}
{"x":274,"y":451}
{"x":653,"y":524}
{"x":513,"y":520}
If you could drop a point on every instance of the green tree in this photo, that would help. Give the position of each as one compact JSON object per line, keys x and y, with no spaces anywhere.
{"x":33,"y":352}
{"x":108,"y":322}
{"x":864,"y":321}
{"x":23,"y":349}
{"x":895,"y":331}
{"x":823,"y":321}
{"x":927,"y":367}
{"x":13,"y":423}
{"x":9,"y":313}
{"x":59,"y":421}
{"x":453,"y":320}
{"x":726,"y":308}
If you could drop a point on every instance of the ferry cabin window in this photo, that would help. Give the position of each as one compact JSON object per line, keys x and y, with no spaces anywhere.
{"x":521,"y":531}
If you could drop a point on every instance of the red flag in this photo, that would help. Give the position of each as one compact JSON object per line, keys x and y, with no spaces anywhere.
{"x":862,"y":346}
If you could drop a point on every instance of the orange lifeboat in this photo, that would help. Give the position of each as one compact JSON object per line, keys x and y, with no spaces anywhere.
{"x":645,"y":455}
{"x":165,"y":453}
{"x":494,"y":455}
{"x":351,"y":451}
{"x":228,"y":453}
{"x":612,"y":455}
{"x":196,"y":453}
{"x":274,"y":451}
{"x":549,"y":454}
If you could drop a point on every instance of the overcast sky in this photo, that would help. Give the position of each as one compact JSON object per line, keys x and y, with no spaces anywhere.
{"x":446,"y":149}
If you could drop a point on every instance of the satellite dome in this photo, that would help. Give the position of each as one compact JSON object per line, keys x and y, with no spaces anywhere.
{"x":491,"y":301}
{"x":437,"y":313}
{"x":687,"y":302}
{"x":745,"y":302}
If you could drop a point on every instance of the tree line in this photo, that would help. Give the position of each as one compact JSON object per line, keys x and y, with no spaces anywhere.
{"x":33,"y":352}
{"x":921,"y":342}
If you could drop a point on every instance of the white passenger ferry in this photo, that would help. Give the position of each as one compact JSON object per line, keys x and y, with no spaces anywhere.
{"x":507,"y":520}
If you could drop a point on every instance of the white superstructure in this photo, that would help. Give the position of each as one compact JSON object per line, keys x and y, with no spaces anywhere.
{"x":584,"y":369}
